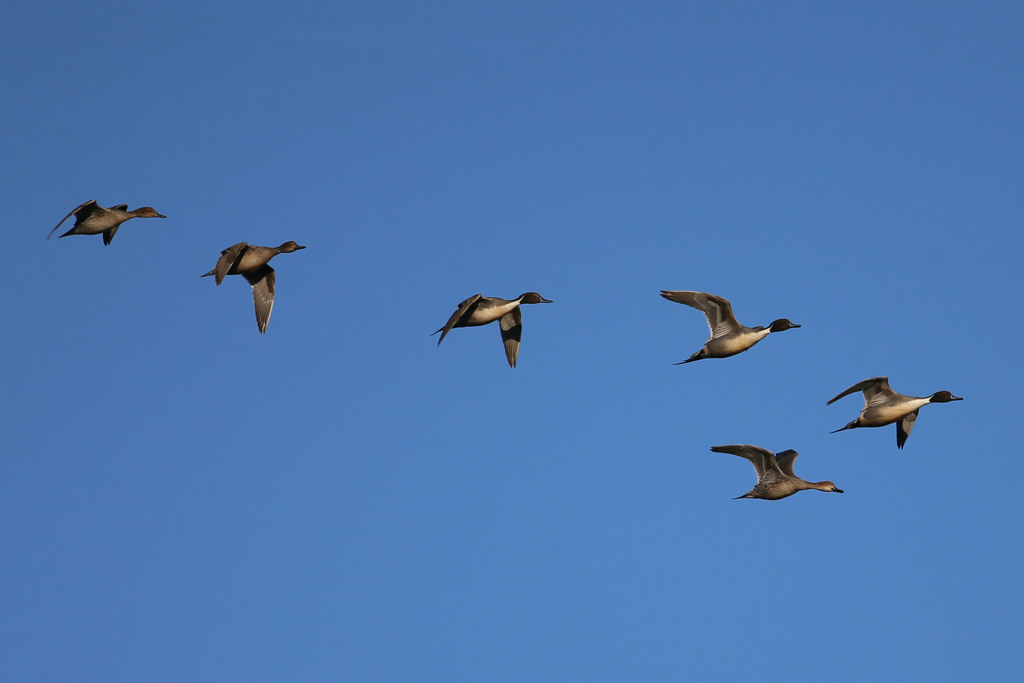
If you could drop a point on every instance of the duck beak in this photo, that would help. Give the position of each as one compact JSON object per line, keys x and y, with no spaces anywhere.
{"x":159,"y":215}
{"x":838,"y":490}
{"x":957,"y":398}
{"x":299,"y":246}
{"x":546,"y":301}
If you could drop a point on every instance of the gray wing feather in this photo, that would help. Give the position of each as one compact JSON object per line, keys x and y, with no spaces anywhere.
{"x":785,"y":460}
{"x":262,"y":281}
{"x":228,"y":258}
{"x":74,"y":211}
{"x":762,"y":459}
{"x":460,"y":311}
{"x":511,"y":333}
{"x":879,"y":392}
{"x":717,"y":310}
{"x":876,"y":390}
{"x":903,"y":428}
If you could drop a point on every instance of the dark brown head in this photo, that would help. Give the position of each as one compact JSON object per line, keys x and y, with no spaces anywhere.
{"x":290,"y":246}
{"x":943,"y":397}
{"x":147,"y":212}
{"x":533,"y":298}
{"x":781,"y":325}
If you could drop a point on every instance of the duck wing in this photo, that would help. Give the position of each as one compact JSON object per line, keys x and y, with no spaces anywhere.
{"x":785,"y":460}
{"x":903,"y":428}
{"x":717,"y":310}
{"x":763,"y":460}
{"x":876,"y":391}
{"x":262,"y":280}
{"x":461,"y":310}
{"x":228,"y":258}
{"x":511,"y":332}
{"x":86,"y":208}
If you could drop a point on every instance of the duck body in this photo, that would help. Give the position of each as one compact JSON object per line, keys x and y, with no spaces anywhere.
{"x":883,"y":406}
{"x":728,"y":336}
{"x":483,"y":311}
{"x":734,"y":343}
{"x":480,"y":310}
{"x":251,"y":262}
{"x":775,"y":477}
{"x":243,"y":258}
{"x":93,"y":219}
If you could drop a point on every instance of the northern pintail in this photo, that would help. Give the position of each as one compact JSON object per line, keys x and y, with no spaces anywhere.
{"x":728,"y":336}
{"x":250,"y":262}
{"x":481,"y":310}
{"x":883,"y":406}
{"x":775,"y":478}
{"x":93,"y":219}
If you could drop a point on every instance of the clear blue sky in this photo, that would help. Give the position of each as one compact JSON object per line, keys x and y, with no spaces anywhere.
{"x":184,"y":499}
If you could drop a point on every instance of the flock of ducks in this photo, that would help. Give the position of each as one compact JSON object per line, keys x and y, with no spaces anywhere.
{"x":243,"y":259}
{"x":775,"y":476}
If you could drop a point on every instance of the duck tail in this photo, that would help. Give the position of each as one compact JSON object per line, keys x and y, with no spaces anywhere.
{"x":700,"y":355}
{"x":852,"y":425}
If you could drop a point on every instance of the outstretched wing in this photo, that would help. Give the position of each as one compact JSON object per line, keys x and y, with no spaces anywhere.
{"x":876,"y":390}
{"x":262,"y":280}
{"x":762,"y":459}
{"x":461,"y":310}
{"x":903,"y":428}
{"x":717,"y":310}
{"x":785,"y":460}
{"x":511,"y":332}
{"x":85,"y":207}
{"x":228,"y":258}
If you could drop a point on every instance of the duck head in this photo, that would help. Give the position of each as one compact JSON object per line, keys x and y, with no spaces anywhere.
{"x":147,"y":212}
{"x":781,"y":325}
{"x":533,"y":298}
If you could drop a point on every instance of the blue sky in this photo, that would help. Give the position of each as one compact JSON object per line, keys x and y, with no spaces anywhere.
{"x":185,"y":499}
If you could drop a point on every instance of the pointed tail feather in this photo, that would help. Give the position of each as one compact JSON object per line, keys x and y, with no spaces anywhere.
{"x":852,"y":425}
